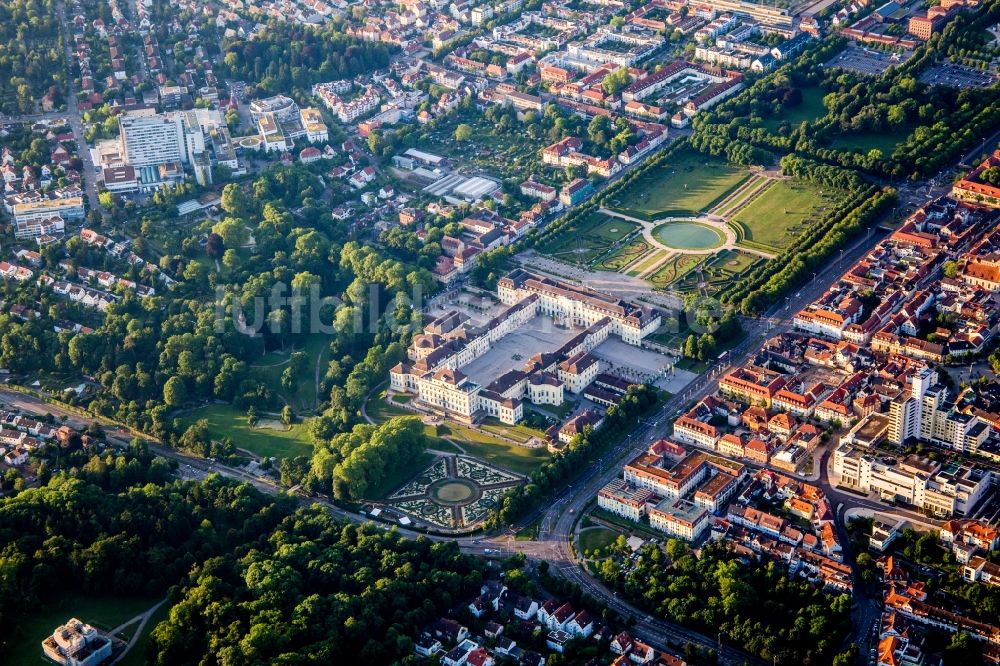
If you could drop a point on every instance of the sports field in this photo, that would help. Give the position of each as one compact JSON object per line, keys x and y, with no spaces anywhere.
{"x":686,"y":185}
{"x":780,"y":213}
{"x":586,"y":240}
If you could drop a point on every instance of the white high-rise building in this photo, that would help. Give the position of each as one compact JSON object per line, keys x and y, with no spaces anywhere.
{"x":906,"y":411}
{"x":193,"y":137}
{"x":152,"y":139}
{"x":924,"y":412}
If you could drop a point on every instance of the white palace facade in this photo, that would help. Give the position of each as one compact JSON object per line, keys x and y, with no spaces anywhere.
{"x":432,"y":372}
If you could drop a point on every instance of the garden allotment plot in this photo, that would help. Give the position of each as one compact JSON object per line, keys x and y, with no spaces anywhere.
{"x":686,"y":185}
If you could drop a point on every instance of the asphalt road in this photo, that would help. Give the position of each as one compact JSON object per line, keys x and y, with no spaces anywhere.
{"x":557,"y":520}
{"x":71,"y":115}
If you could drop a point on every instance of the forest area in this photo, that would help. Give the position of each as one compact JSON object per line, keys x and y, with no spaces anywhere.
{"x":31,"y":56}
{"x":756,"y":607}
{"x":251,"y":578}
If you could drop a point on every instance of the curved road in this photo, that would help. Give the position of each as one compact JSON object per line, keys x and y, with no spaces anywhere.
{"x":557,"y":518}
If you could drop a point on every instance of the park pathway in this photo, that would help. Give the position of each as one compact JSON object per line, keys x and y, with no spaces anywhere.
{"x":714,"y":222}
{"x":142,"y":619}
{"x":319,"y":363}
{"x":750,"y":197}
{"x":750,"y":184}
{"x":655,"y":266}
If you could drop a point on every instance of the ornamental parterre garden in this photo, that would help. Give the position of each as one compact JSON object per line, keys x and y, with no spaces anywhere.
{"x":453,"y":492}
{"x":695,"y":222}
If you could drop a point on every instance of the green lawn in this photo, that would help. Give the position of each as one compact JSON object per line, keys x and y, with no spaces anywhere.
{"x":646,"y":262}
{"x":666,"y":335}
{"x":519,"y":459}
{"x":809,"y":110}
{"x":686,"y":185}
{"x":885,"y":141}
{"x":23,"y":642}
{"x":777,"y":216}
{"x":303,"y":398}
{"x":642,"y":530}
{"x":675,"y":268}
{"x":624,"y":256}
{"x":380,"y":409}
{"x":596,"y":539}
{"x":730,"y":263}
{"x":750,"y":185}
{"x":695,"y":366}
{"x":137,"y":655}
{"x":227,"y":421}
{"x":716,"y":272}
{"x":444,"y":446}
{"x":559,"y":411}
{"x":587,"y":239}
{"x":521,"y":433}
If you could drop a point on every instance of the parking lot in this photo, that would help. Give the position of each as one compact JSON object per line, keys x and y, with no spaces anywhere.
{"x":957,"y":76}
{"x":866,"y":61}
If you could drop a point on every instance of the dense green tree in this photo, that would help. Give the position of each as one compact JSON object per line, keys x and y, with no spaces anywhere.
{"x":174,"y":392}
{"x":352,"y":464}
{"x":757,"y":607}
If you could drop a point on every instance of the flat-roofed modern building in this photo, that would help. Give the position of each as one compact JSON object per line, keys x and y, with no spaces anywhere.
{"x":70,"y":208}
{"x":679,"y":517}
{"x":149,"y":140}
{"x":624,"y":500}
{"x":77,"y":644}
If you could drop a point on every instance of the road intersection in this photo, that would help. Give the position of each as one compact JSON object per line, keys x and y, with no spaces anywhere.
{"x":558,"y":518}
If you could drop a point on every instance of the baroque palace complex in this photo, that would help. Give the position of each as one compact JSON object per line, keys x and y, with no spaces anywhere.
{"x":451,"y":342}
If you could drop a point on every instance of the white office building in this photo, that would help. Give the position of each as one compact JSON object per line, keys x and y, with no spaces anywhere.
{"x":77,"y":644}
{"x":953,"y":490}
{"x":152,"y":139}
